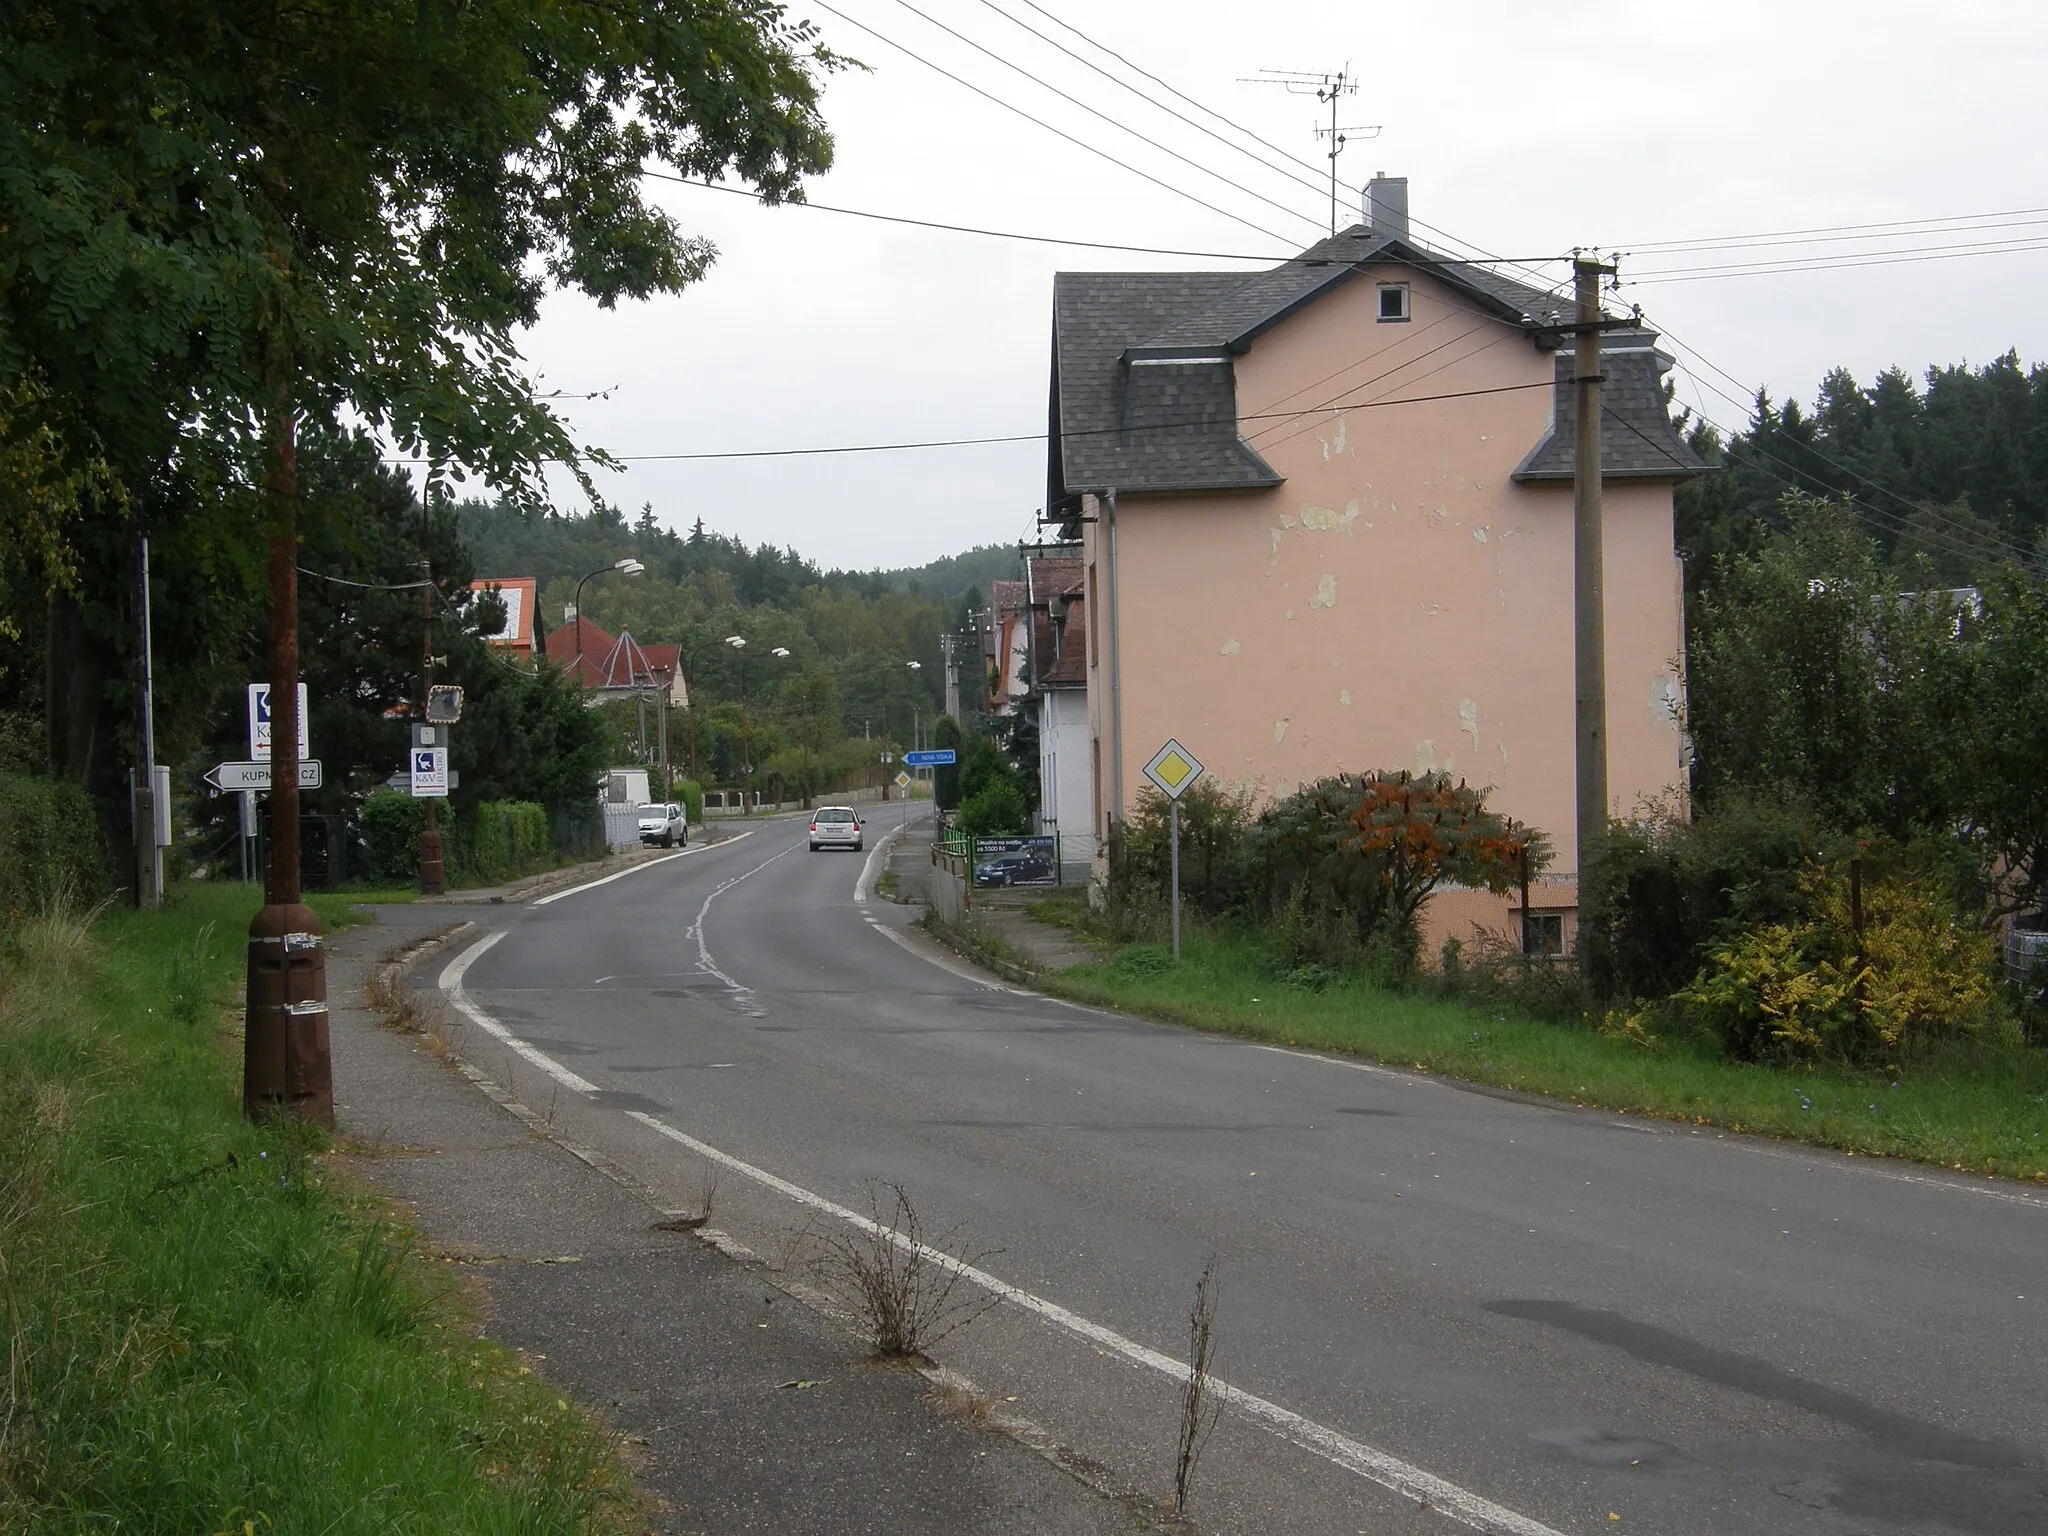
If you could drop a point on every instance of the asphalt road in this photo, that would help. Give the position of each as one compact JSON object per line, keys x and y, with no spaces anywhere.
{"x":1441,"y":1308}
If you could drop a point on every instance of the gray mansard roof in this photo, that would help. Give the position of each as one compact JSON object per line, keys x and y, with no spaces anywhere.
{"x":1144,"y":392}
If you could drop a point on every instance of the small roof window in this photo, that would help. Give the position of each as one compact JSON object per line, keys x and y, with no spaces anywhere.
{"x":1393,"y":301}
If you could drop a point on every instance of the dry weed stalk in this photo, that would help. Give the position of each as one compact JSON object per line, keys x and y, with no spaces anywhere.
{"x":905,"y":1290}
{"x":1198,"y":1409}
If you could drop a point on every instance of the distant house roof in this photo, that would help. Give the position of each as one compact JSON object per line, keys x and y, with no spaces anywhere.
{"x":581,"y":648}
{"x":518,"y":594}
{"x":1144,"y":394}
{"x":1059,"y":651}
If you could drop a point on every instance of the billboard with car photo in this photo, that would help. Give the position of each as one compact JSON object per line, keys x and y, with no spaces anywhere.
{"x":1015,"y":861}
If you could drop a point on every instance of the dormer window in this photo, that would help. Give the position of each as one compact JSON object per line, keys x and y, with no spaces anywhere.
{"x":1393,"y":302}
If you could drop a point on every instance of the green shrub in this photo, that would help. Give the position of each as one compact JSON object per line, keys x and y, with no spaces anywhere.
{"x":511,"y":839}
{"x":997,"y":809}
{"x":691,"y":794}
{"x":392,"y":824}
{"x":49,"y":842}
{"x":1816,"y":988}
{"x":1661,"y":891}
{"x":1217,"y":862}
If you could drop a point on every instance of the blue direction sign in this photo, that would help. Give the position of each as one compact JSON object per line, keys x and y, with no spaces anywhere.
{"x":943,"y":757}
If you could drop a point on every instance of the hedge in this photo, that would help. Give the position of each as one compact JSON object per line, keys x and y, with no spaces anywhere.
{"x":392,"y":824}
{"x":512,"y":839}
{"x":49,"y":840}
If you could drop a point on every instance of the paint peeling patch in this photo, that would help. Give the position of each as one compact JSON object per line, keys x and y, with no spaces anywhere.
{"x":1326,"y":593}
{"x":1276,"y":544}
{"x":1329,"y":519}
{"x":1425,"y":756}
{"x":1231,"y":648}
{"x":1280,"y":729}
{"x":1468,"y":720}
{"x":1344,"y":698}
{"x":1289,"y":614}
{"x":1479,"y":534}
{"x":1503,"y":757}
{"x":1664,"y":700}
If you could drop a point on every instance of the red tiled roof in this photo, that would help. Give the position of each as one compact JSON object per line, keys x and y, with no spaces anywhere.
{"x":596,"y":646}
{"x":519,"y":594}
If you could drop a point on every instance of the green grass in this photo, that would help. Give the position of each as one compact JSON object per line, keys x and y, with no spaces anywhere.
{"x":208,"y":1331}
{"x":1981,"y":1109}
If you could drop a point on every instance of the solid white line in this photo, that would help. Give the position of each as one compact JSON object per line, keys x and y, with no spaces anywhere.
{"x":1389,"y":1471}
{"x":592,"y":885}
{"x":459,"y":999}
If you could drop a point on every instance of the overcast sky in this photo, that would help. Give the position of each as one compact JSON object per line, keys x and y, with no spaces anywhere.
{"x":1724,"y":120}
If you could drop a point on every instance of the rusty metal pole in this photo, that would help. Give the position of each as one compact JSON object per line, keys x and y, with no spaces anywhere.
{"x":286,"y":1067}
{"x":1589,"y":610}
{"x":433,"y":874}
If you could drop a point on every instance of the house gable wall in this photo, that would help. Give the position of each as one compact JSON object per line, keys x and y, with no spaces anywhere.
{"x":1399,"y":602}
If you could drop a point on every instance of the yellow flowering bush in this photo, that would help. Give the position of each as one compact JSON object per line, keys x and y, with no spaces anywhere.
{"x":1808,"y":989}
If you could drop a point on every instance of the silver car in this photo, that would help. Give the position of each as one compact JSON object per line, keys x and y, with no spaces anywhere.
{"x":835,"y":826}
{"x":665,"y":825}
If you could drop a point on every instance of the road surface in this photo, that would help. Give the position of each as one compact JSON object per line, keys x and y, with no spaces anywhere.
{"x":1441,"y":1308}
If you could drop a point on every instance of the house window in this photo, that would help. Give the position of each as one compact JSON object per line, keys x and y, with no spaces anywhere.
{"x":1543,"y":935}
{"x":1393,"y":301}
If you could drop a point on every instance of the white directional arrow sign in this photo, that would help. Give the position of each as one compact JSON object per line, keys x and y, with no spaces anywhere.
{"x":237,"y":776}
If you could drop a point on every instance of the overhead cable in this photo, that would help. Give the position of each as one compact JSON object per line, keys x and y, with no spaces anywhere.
{"x":1048,"y":127}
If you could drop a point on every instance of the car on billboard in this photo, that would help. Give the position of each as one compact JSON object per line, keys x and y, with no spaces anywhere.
{"x":1014,"y":861}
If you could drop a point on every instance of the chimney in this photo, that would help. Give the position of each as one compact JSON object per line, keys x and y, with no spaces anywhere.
{"x":1386,"y":205}
{"x":568,"y":613}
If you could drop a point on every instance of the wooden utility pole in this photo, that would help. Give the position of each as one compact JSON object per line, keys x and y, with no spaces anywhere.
{"x":1589,"y":598}
{"x":286,"y":1066}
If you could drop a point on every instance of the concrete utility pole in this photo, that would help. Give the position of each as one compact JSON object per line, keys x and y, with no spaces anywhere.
{"x":1589,"y":598}
{"x":286,"y":1067}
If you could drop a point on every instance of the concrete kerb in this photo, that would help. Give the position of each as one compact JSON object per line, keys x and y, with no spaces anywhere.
{"x":550,"y":880}
{"x":398,"y":965}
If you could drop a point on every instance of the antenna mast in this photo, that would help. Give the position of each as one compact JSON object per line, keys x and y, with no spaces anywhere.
{"x":1326,"y":88}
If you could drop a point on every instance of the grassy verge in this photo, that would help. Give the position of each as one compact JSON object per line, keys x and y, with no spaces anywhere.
{"x":204,"y":1333}
{"x":1978,"y":1109}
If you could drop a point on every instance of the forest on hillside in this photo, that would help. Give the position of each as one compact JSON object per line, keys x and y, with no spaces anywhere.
{"x":1948,"y":473}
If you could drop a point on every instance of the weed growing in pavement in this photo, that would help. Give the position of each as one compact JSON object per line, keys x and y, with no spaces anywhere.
{"x":1199,"y":1409}
{"x":907,"y":1292}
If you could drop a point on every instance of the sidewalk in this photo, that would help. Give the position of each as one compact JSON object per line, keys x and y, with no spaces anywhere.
{"x":750,"y":1411}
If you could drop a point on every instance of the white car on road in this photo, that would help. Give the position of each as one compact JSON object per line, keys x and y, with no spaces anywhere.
{"x":835,"y":826}
{"x":666,"y":825}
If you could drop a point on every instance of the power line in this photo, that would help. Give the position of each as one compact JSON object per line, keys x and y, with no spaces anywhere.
{"x":1048,"y":127}
{"x":1031,"y":437}
{"x":1787,"y":266}
{"x":969,"y":229}
{"x":1256,"y":159}
{"x":1098,"y":112}
{"x":1829,"y":232}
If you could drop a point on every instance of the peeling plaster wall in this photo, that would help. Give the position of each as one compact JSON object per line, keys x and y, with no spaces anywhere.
{"x":1399,"y":602}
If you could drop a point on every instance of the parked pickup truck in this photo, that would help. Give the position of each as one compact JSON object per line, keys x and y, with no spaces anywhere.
{"x":666,"y":825}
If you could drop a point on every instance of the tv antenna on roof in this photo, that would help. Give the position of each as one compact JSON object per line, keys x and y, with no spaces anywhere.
{"x":1327,"y":88}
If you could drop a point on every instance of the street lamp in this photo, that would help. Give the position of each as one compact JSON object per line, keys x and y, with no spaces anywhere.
{"x":626,"y":567}
{"x":781,"y":653}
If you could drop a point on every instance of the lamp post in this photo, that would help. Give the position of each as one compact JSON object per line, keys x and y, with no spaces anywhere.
{"x":626,"y":567}
{"x":739,"y":643}
{"x":688,"y":658}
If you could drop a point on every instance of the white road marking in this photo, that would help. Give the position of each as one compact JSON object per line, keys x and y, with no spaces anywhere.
{"x":742,"y":994}
{"x":459,"y":999}
{"x":1382,"y":1467}
{"x":592,"y":885}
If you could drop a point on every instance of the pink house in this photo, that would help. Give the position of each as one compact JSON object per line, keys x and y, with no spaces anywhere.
{"x":1326,"y":522}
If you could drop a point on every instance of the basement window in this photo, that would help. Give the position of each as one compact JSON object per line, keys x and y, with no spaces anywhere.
{"x":1393,"y":301}
{"x":1543,"y":935}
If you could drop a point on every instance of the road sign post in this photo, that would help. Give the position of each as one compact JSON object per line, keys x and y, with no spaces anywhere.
{"x":1174,"y":770}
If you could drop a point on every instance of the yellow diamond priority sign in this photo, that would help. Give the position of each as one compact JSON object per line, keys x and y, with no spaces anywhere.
{"x":1173,"y":770}
{"x":903,"y":781}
